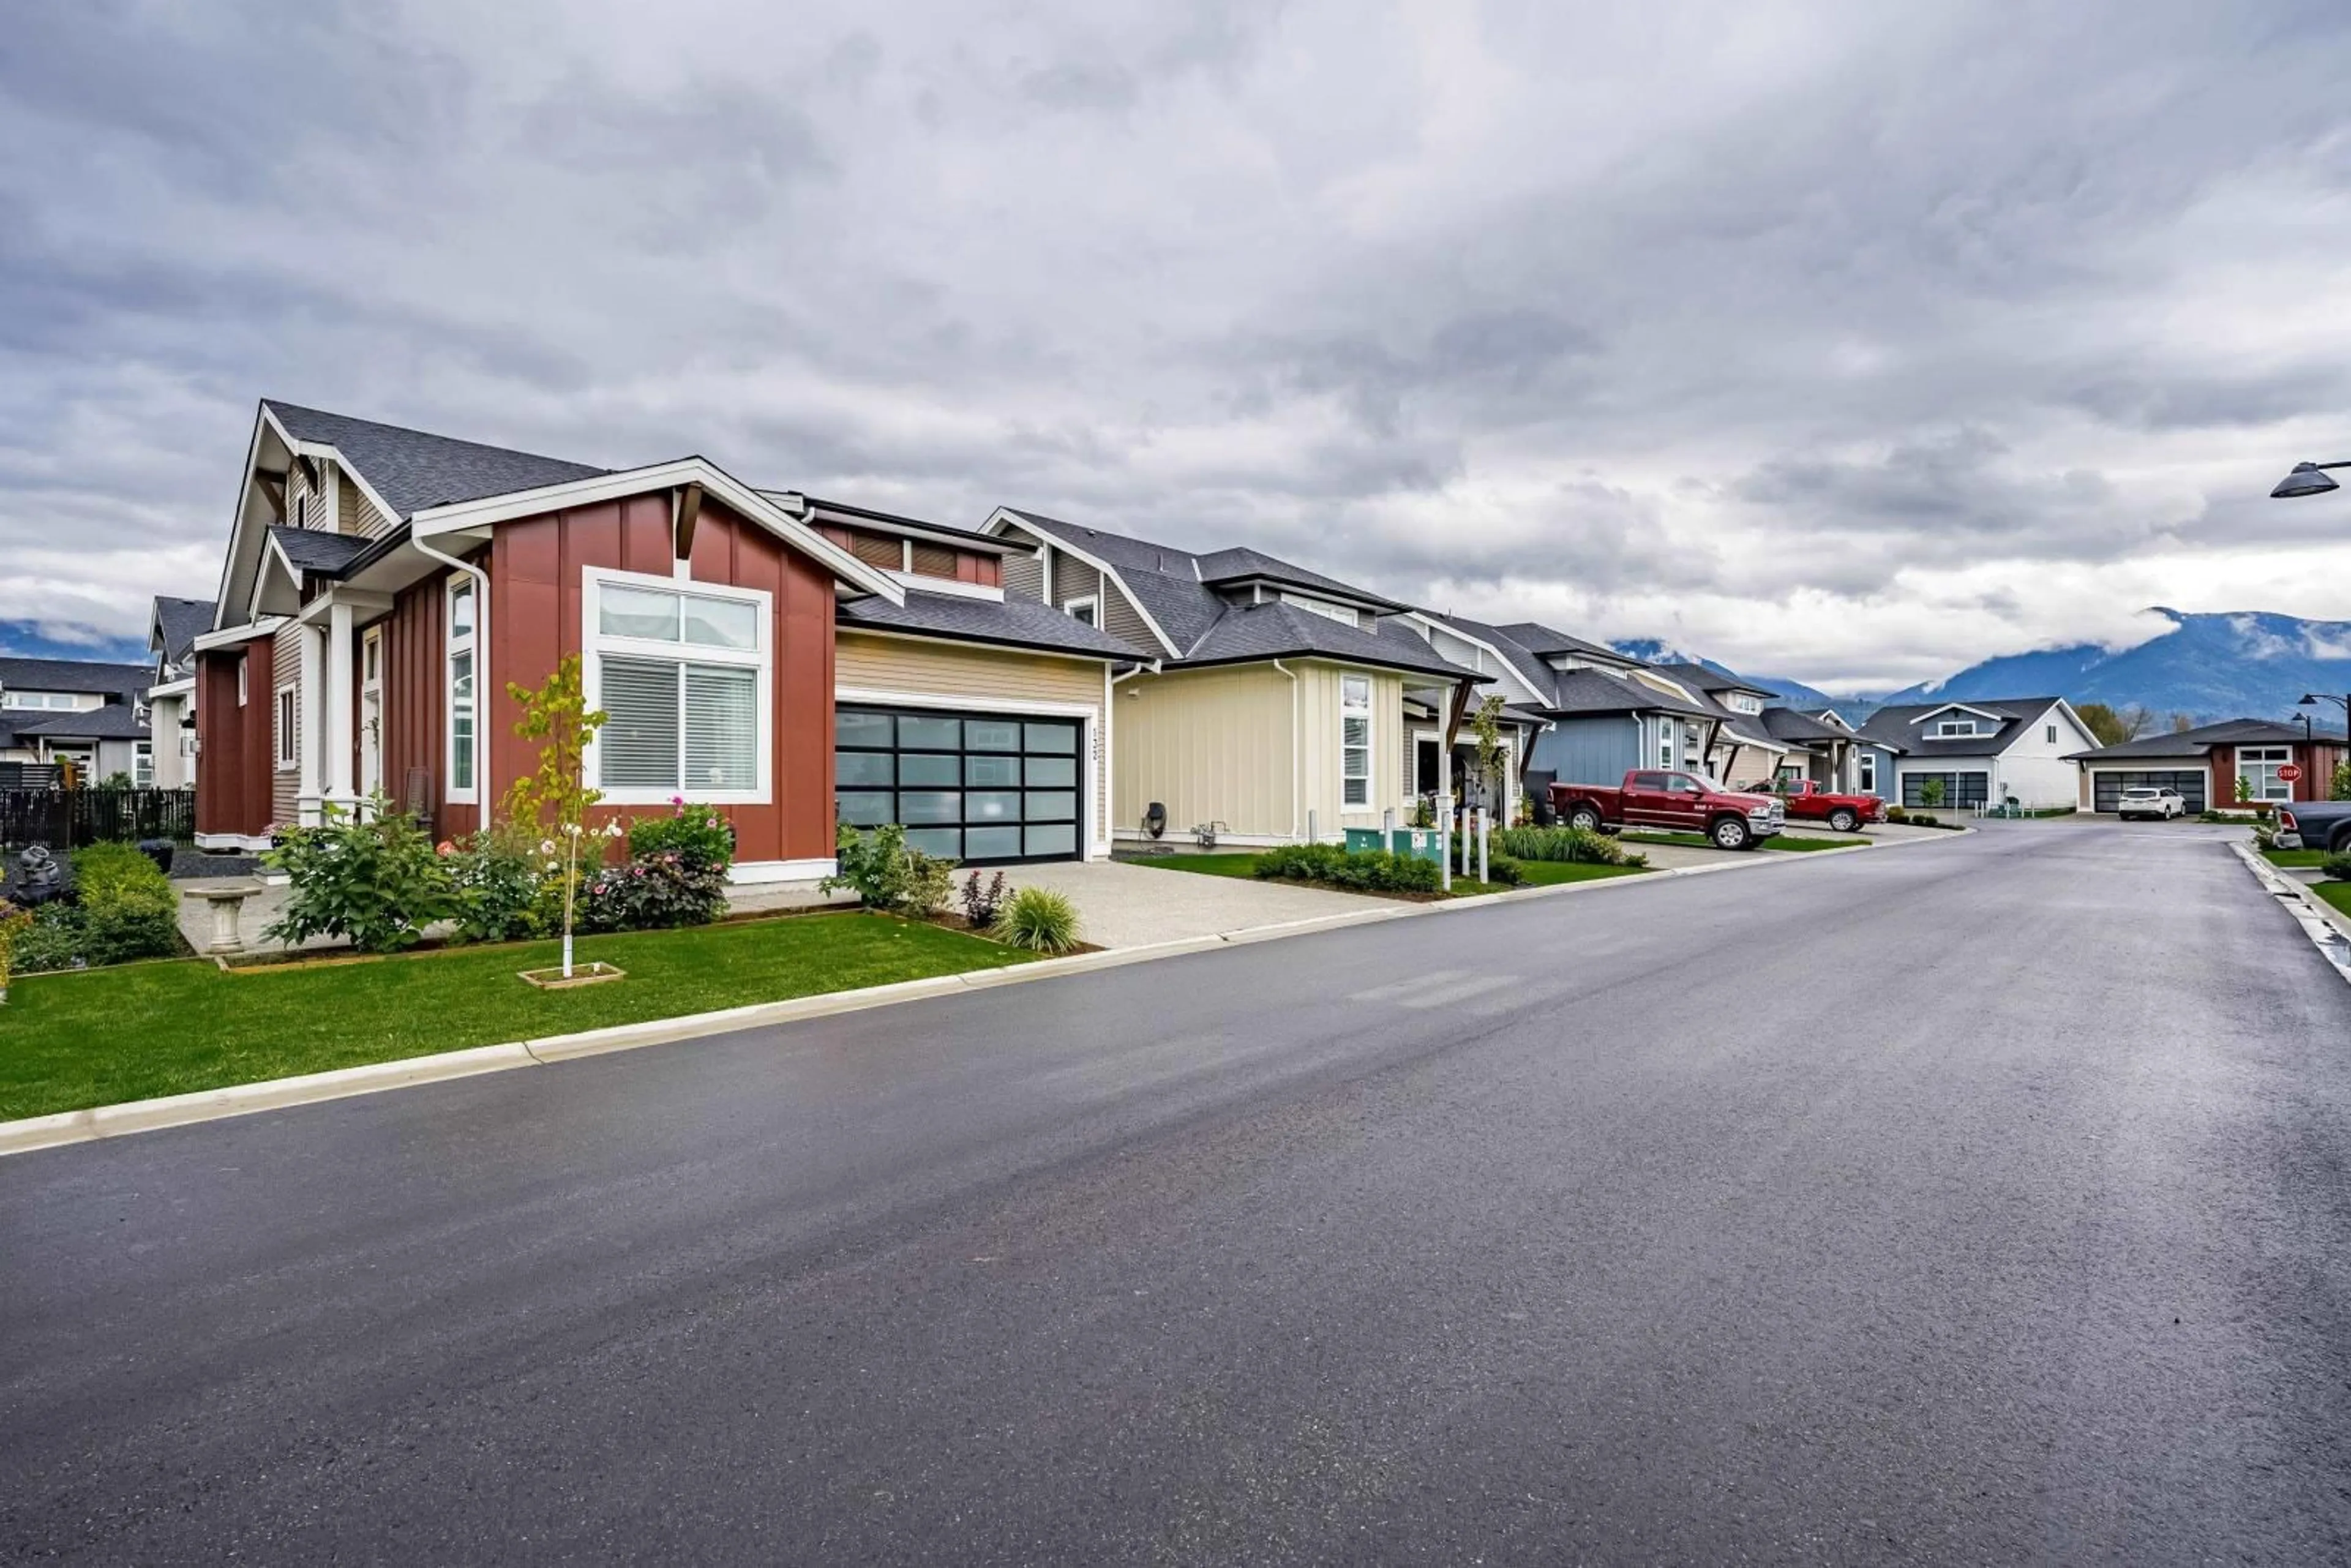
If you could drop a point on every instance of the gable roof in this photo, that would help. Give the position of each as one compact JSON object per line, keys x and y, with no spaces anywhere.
{"x":1540,"y":640}
{"x":1583,"y":692}
{"x":1007,"y":622}
{"x":1173,"y":589}
{"x":128,"y":682}
{"x":1902,"y":727}
{"x":414,"y":470}
{"x":317,"y":551}
{"x":115,"y":721}
{"x":1787,"y":724}
{"x":1713,"y":680}
{"x":175,"y":626}
{"x":1536,"y":674}
{"x":2201,"y":739}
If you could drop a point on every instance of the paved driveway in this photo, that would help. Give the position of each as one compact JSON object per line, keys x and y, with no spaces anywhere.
{"x":1988,"y":1201}
{"x":1128,"y":905}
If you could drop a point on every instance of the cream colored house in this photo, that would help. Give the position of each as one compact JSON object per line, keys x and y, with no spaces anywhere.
{"x":1276,"y":703}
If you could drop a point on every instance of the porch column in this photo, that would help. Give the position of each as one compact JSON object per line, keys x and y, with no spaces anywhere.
{"x":310,"y":691}
{"x":338,"y":701}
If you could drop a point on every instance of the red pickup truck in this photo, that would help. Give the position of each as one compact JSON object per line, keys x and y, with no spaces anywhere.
{"x":1807,"y":801}
{"x":1678,"y":802}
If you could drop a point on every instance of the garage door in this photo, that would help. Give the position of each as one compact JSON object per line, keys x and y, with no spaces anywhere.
{"x":973,"y":786}
{"x":2106,"y":788}
{"x":1959,"y":788}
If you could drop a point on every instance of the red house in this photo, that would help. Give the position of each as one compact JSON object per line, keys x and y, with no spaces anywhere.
{"x":2205,"y":763}
{"x":383,"y":586}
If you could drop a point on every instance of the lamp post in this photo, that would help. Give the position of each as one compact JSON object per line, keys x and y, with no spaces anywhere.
{"x":2312,"y":699}
{"x":2307,"y":479}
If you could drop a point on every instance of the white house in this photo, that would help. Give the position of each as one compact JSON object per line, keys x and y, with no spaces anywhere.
{"x":1984,"y":751}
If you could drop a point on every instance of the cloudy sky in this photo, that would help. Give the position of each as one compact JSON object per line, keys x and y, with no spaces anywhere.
{"x":1843,"y":341}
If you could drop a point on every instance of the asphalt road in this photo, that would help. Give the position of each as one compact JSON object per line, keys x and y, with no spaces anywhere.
{"x":1977,"y":1202}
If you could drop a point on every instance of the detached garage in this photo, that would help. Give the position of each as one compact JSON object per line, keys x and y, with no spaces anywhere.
{"x":2107,"y":784}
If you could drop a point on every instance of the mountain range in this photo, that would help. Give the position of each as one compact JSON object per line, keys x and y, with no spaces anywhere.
{"x":1656,"y":650}
{"x":2236,"y":665}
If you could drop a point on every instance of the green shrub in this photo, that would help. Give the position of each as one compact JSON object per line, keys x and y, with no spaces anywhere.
{"x":1039,"y":919}
{"x":1922,"y":820}
{"x":698,"y":833}
{"x":14,"y":923}
{"x":128,"y":907}
{"x":376,"y":884}
{"x":2336,"y":867}
{"x":884,"y":873}
{"x":501,"y":887}
{"x":53,"y":941}
{"x":1572,"y":846}
{"x":1503,"y":870}
{"x":1896,"y":814}
{"x":930,"y":883}
{"x":1367,"y":870}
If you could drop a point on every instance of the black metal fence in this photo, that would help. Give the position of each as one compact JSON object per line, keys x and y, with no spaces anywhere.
{"x":68,"y":818}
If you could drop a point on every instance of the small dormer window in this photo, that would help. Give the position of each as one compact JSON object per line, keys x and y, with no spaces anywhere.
{"x":1087,"y":609}
{"x":1956,"y":726}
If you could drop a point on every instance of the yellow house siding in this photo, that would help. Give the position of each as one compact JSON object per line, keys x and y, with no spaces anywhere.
{"x":286,"y":657}
{"x":1211,"y":745}
{"x":946,"y":675}
{"x":1216,"y":745}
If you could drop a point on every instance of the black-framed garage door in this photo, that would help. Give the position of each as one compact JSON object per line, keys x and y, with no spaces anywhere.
{"x":1959,"y":789}
{"x":981,"y":787}
{"x":2106,"y":788}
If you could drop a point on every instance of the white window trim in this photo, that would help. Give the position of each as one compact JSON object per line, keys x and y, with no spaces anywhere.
{"x":142,"y":751}
{"x":2269,"y":757}
{"x":285,"y":723}
{"x":1951,"y":727}
{"x":451,"y":793}
{"x":594,"y":645}
{"x":1093,"y":601}
{"x":1348,"y":710}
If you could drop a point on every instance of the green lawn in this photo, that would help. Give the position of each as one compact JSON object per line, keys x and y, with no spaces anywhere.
{"x":2295,"y":857}
{"x":2337,"y":893}
{"x":1777,"y":841}
{"x":1539,"y":874}
{"x":96,"y":1037}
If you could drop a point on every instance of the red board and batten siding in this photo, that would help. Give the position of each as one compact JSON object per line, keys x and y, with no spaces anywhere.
{"x":536,"y":567}
{"x":234,"y":764}
{"x":415,"y":696}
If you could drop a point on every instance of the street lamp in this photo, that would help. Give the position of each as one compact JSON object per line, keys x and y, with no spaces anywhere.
{"x":2307,"y":479}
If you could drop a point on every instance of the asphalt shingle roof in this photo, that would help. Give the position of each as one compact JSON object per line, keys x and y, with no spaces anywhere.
{"x":1517,"y":655}
{"x":2204,"y":737}
{"x":1012,"y":622}
{"x":315,"y":549}
{"x":1787,"y":724}
{"x":1538,"y":639}
{"x":128,"y":681}
{"x":1168,"y":585}
{"x":413,"y":470}
{"x":1277,"y":631}
{"x":178,"y":624}
{"x":115,"y":721}
{"x":1598,"y":691}
{"x":1898,"y":726}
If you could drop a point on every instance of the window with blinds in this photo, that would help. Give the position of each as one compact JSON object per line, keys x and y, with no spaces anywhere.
{"x":935,"y":561}
{"x":680,"y":677}
{"x":879,"y":550}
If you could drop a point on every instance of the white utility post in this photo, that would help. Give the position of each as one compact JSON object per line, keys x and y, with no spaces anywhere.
{"x":1481,"y":843}
{"x":1387,"y":830}
{"x":339,"y":734}
{"x":1314,"y":832}
{"x":1444,"y":848}
{"x":312,"y":679}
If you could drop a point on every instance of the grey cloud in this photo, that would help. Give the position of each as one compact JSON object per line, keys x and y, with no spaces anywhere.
{"x":1671,"y":306}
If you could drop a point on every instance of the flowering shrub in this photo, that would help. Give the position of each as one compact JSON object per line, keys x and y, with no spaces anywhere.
{"x":376,"y":882}
{"x":980,"y":904}
{"x":652,"y":893}
{"x":697,"y":833}
{"x":501,"y":887}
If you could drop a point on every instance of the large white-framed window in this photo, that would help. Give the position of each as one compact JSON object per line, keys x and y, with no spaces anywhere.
{"x":463,"y":666}
{"x":1354,"y":740}
{"x":685,"y":674}
{"x":2258,"y":766}
{"x":284,"y":711}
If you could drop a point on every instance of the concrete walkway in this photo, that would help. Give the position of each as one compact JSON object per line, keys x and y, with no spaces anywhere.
{"x":1124,"y":905}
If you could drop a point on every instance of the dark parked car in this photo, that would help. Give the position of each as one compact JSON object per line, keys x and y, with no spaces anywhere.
{"x":2318,"y":824}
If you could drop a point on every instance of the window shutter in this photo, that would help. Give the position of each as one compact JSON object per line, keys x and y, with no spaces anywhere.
{"x":638,"y":745}
{"x":935,"y":561}
{"x":876,"y":550}
{"x":722,"y":729}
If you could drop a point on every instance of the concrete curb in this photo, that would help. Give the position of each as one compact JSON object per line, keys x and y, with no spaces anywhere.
{"x":32,"y":1133}
{"x":2327,"y":929}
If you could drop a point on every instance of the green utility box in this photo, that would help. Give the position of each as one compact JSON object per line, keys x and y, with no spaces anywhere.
{"x":1427,"y":843}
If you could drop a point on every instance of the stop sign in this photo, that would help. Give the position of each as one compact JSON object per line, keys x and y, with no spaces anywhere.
{"x":2289,"y":771}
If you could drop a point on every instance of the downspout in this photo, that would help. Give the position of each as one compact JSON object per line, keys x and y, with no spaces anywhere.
{"x":1109,"y":740}
{"x":483,"y":689}
{"x":1294,"y":737}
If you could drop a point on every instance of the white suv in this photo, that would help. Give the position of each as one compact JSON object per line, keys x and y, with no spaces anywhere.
{"x":2161,"y":804}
